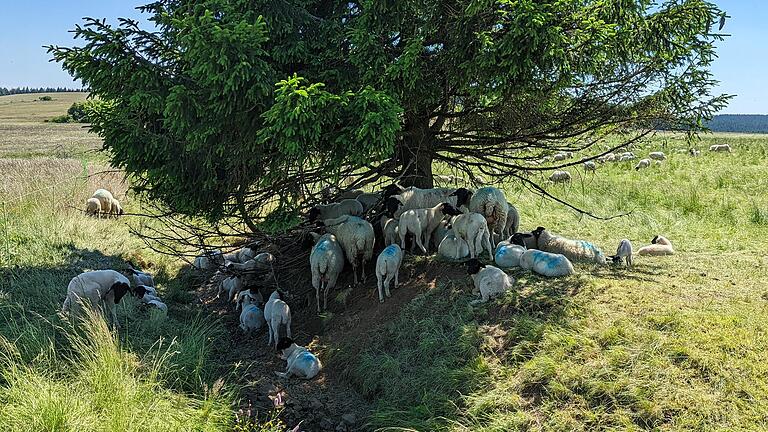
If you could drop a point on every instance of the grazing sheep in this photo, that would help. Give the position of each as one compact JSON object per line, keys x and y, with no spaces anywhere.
{"x":720,"y":148}
{"x":560,"y":177}
{"x":657,"y":156}
{"x":489,"y":281}
{"x":627,"y":156}
{"x":508,"y":255}
{"x":415,"y":198}
{"x":608,"y":157}
{"x":301,"y":362}
{"x":99,"y":289}
{"x":356,"y":237}
{"x":422,"y":222}
{"x":369,"y":200}
{"x":140,"y":290}
{"x":545,"y":263}
{"x":659,"y":246}
{"x":574,"y":250}
{"x":326,"y":263}
{"x":623,"y":251}
{"x":473,"y":229}
{"x":209,"y":260}
{"x":643,"y":163}
{"x":251,"y":317}
{"x":93,"y":207}
{"x":452,"y":247}
{"x":559,"y":157}
{"x":590,"y":166}
{"x":277,"y":313}
{"x":117,"y":209}
{"x":105,"y":199}
{"x":345,"y":207}
{"x":693,"y":152}
{"x":387,"y":268}
{"x":140,"y":277}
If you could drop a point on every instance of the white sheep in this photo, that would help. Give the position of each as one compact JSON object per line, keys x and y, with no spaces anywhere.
{"x":416,"y":198}
{"x":659,"y":246}
{"x":240,"y":255}
{"x":608,"y":157}
{"x":627,"y":156}
{"x":369,"y":200}
{"x":105,"y":199}
{"x":260,"y":262}
{"x":492,"y":204}
{"x":559,"y":157}
{"x":140,"y":277}
{"x":507,"y":254}
{"x":351,"y":194}
{"x":117,"y":209}
{"x":513,"y":221}
{"x":99,"y":290}
{"x":159,"y":305}
{"x":574,"y":250}
{"x":643,"y":163}
{"x":489,"y":281}
{"x":93,"y":207}
{"x":251,"y":317}
{"x":657,"y":155}
{"x":546,"y":263}
{"x":387,"y":269}
{"x":452,"y":247}
{"x":277,"y":313}
{"x":345,"y":207}
{"x":623,"y":251}
{"x":473,"y":229}
{"x":560,"y":176}
{"x":442,"y":230}
{"x":326,"y":261}
{"x":140,"y":290}
{"x":590,"y":166}
{"x":356,"y":237}
{"x":390,"y":229}
{"x":209,"y":260}
{"x":720,"y":148}
{"x":300,"y":361}
{"x":232,"y":285}
{"x":422,"y":222}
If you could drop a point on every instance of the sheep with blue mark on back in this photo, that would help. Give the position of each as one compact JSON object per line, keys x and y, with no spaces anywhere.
{"x":326,"y":261}
{"x":574,"y":250}
{"x":387,"y":269}
{"x":507,"y":254}
{"x":546,"y":263}
{"x":251,"y":317}
{"x":489,"y":281}
{"x":301,"y":362}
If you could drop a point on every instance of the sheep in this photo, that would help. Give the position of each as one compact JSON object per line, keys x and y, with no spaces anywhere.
{"x":159,"y":305}
{"x":93,"y":207}
{"x":140,"y":290}
{"x":473,"y":229}
{"x":693,"y":152}
{"x":526,"y":240}
{"x":489,"y":281}
{"x":608,"y":157}
{"x":559,"y":157}
{"x":356,"y":237}
{"x":117,"y":209}
{"x":208,"y":260}
{"x":105,"y":199}
{"x":627,"y":156}
{"x":277,"y":313}
{"x":560,"y":177}
{"x":351,"y":194}
{"x":262,"y":261}
{"x":387,"y":268}
{"x":416,"y":198}
{"x":326,"y":261}
{"x":100,"y":289}
{"x":546,"y":263}
{"x":574,"y":250}
{"x":442,"y":230}
{"x":657,"y":155}
{"x":251,"y":316}
{"x":140,"y":277}
{"x":643,"y":163}
{"x":507,"y":254}
{"x":492,"y":204}
{"x":623,"y":251}
{"x":369,"y":200}
{"x":590,"y":166}
{"x":240,"y":255}
{"x":301,"y":362}
{"x":452,"y":247}
{"x":421,"y":223}
{"x":513,"y":221}
{"x":659,"y":246}
{"x":351,"y":207}
{"x":232,"y":285}
{"x":720,"y":148}
{"x":390,"y":228}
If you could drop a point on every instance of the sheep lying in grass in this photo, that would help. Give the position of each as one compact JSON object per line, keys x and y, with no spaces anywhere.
{"x":422,"y":222}
{"x":240,"y":256}
{"x":643,"y":163}
{"x":260,"y":262}
{"x":574,"y":250}
{"x":489,"y":281}
{"x":326,"y":261}
{"x":590,"y":166}
{"x":140,"y":277}
{"x":720,"y":148}
{"x":560,"y":177}
{"x":356,"y":237}
{"x":507,"y":254}
{"x":473,"y":229}
{"x":387,"y":269}
{"x":453,"y":248}
{"x":209,"y":260}
{"x":301,"y":362}
{"x":623,"y":251}
{"x":546,"y":263}
{"x":351,"y":207}
{"x":276,"y":314}
{"x":93,"y":207}
{"x":100,"y":290}
{"x":659,"y":246}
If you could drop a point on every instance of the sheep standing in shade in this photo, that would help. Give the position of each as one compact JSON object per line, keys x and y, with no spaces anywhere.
{"x":387,"y":269}
{"x":93,"y":207}
{"x":546,"y":263}
{"x":623,"y":251}
{"x":251,"y":317}
{"x":276,"y":314}
{"x":416,"y":198}
{"x":452,"y":247}
{"x":659,"y":246}
{"x":574,"y":250}
{"x":356,"y":237}
{"x":369,"y":200}
{"x":560,"y":177}
{"x":351,"y":207}
{"x":643,"y":163}
{"x":100,"y":290}
{"x":326,"y":262}
{"x":422,"y":222}
{"x":473,"y":229}
{"x":489,"y":281}
{"x":390,"y":228}
{"x":489,"y":202}
{"x":232,"y":285}
{"x":513,"y":221}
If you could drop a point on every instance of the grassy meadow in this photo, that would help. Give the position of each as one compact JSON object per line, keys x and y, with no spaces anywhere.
{"x":676,"y":343}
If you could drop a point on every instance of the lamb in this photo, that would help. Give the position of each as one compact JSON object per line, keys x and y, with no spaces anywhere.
{"x":490,"y":281}
{"x":421,"y":223}
{"x":251,"y":317}
{"x":720,"y":148}
{"x":139,"y":277}
{"x":560,"y":177}
{"x":208,"y":260}
{"x":301,"y":362}
{"x":93,"y":207}
{"x":416,"y":198}
{"x":659,"y":246}
{"x":590,"y":166}
{"x":277,"y":313}
{"x":693,"y":152}
{"x":508,"y":255}
{"x":545,"y":263}
{"x":99,"y":289}
{"x":473,"y":229}
{"x":232,"y":285}
{"x":387,"y":268}
{"x":657,"y":155}
{"x":623,"y":251}
{"x":452,"y":247}
{"x":117,"y":209}
{"x":513,"y":221}
{"x":356,"y":237}
{"x":262,"y":261}
{"x":326,"y":262}
{"x":390,"y":229}
{"x":351,"y":207}
{"x":159,"y":305}
{"x":643,"y":163}
{"x":574,"y":250}
{"x":491,"y":203}
{"x":140,"y":290}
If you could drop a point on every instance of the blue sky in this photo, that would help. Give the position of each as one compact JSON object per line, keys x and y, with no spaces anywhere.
{"x":741,"y":68}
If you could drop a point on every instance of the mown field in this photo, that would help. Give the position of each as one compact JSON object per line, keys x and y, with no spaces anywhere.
{"x":676,"y":343}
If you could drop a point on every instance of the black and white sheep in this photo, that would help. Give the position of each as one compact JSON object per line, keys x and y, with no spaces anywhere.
{"x":100,"y":290}
{"x":489,"y":281}
{"x":251,"y":316}
{"x":659,"y":246}
{"x":139,"y":277}
{"x":624,"y":250}
{"x":300,"y":361}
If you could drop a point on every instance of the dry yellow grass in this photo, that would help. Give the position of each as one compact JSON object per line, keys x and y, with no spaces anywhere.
{"x":28,"y":108}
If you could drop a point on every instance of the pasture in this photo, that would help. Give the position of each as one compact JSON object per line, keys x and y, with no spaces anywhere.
{"x":676,"y":343}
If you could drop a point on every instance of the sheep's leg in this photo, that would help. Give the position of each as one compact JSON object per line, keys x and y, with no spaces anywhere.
{"x":354,"y":271}
{"x":380,"y":286}
{"x":403,"y":234}
{"x":113,"y":312}
{"x":629,"y":261}
{"x":387,"y":283}
{"x":317,"y":284}
{"x":269,"y":331}
{"x":362,"y":267}
{"x":397,"y":272}
{"x":486,"y":239}
{"x":288,"y":327}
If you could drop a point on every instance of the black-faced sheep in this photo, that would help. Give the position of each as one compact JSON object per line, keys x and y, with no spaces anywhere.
{"x":659,"y":246}
{"x":489,"y":281}
{"x":99,"y":290}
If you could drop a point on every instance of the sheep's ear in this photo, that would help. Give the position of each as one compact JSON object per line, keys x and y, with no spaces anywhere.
{"x":655,"y":239}
{"x":120,"y":289}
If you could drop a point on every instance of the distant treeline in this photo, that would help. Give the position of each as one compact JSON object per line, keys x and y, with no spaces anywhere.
{"x":24,"y":90}
{"x":750,"y":123}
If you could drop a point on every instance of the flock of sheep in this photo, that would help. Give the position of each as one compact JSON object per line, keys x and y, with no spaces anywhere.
{"x":102,"y":203}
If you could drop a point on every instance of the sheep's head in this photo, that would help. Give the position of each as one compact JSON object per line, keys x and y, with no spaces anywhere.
{"x":313,"y":214}
{"x":615,"y":259}
{"x":391,"y":205}
{"x":120,"y":289}
{"x":519,"y":238}
{"x":392,"y":189}
{"x":448,"y":209}
{"x":463,"y":195}
{"x":309,"y":239}
{"x":282,"y":345}
{"x":139,"y":291}
{"x":655,"y":239}
{"x":537,"y":232}
{"x":474,"y":266}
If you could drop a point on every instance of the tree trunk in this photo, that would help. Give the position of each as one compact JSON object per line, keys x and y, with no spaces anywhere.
{"x":415,"y":154}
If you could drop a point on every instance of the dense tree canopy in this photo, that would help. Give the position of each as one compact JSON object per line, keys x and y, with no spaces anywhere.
{"x":246,"y":107}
